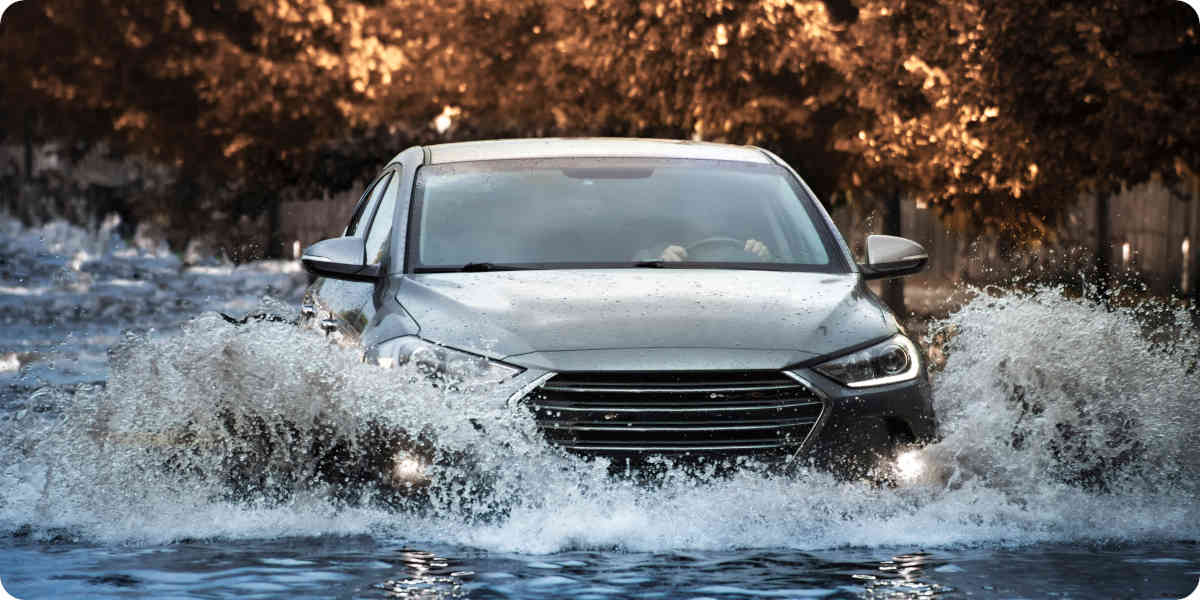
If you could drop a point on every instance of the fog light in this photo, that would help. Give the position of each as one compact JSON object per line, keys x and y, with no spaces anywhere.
{"x":910,"y":465}
{"x":408,"y":469}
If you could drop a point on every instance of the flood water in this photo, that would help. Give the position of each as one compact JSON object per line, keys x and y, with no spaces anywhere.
{"x":1069,"y":468}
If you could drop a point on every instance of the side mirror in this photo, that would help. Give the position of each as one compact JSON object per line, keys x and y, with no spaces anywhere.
{"x":339,"y":258}
{"x":889,"y":256}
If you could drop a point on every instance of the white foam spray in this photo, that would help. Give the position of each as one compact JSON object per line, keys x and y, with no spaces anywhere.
{"x":1062,"y":421}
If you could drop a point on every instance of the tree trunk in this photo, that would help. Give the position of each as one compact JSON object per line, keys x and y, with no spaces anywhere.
{"x":1103,"y":244}
{"x":29,"y":117}
{"x":274,"y":235}
{"x":893,"y":289}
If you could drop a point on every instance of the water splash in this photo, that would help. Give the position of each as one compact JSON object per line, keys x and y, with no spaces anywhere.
{"x":1042,"y":387}
{"x":1062,"y":421}
{"x":66,"y":294}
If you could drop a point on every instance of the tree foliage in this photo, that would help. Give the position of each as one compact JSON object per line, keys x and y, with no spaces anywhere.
{"x":998,"y":113}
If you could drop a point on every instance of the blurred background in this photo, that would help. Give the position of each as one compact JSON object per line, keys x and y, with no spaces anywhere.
{"x":1036,"y":140}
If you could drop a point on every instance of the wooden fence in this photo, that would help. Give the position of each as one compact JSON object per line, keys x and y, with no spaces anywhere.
{"x":1154,"y":237}
{"x":308,"y":221}
{"x":1156,"y":233}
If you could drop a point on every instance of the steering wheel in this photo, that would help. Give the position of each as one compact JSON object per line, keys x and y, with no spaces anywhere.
{"x":719,"y":248}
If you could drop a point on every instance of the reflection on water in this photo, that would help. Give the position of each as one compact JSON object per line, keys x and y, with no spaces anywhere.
{"x":429,"y":576}
{"x":371,"y":567}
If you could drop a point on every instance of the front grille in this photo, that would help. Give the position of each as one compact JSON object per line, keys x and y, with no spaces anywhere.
{"x":740,"y":412}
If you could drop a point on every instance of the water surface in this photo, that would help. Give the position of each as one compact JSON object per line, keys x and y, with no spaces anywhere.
{"x":1069,"y":466}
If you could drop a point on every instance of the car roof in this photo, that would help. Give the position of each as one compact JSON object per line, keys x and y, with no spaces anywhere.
{"x":590,"y":147}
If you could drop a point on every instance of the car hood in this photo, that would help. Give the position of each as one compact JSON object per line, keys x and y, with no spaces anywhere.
{"x":566,"y":319}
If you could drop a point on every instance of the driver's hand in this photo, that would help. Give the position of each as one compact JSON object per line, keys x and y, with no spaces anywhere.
{"x":674,"y":253}
{"x":757,"y":248}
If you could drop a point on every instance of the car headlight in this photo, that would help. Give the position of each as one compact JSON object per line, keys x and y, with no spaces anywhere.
{"x":439,"y":362}
{"x":891,"y":361}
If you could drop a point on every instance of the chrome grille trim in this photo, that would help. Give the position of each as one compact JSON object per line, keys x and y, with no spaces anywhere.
{"x":669,"y":412}
{"x":529,"y":388}
{"x":664,"y":449}
{"x":816,"y":391}
{"x":666,"y":390}
{"x":669,"y":428}
{"x":674,"y":409}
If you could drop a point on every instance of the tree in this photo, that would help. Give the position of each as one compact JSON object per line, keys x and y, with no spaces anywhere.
{"x":1005,"y":111}
{"x":996,"y":113}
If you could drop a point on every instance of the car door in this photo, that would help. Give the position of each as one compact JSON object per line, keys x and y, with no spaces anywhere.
{"x":336,"y":306}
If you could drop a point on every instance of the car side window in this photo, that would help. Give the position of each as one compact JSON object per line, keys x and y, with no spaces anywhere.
{"x":366,"y":206}
{"x":381,"y":226}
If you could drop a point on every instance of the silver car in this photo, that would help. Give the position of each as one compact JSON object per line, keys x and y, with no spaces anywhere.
{"x":641,"y":297}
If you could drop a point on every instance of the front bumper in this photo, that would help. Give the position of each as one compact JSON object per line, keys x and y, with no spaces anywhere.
{"x":865,"y":424}
{"x":854,"y":427}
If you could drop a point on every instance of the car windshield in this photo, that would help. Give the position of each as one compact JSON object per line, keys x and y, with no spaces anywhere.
{"x":615,"y":212}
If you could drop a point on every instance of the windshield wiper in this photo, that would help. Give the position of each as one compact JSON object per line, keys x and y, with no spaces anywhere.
{"x":650,"y":264}
{"x":670,"y":264}
{"x":479,"y":267}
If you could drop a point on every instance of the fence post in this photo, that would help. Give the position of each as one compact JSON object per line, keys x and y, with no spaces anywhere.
{"x":1103,"y":244}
